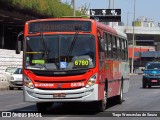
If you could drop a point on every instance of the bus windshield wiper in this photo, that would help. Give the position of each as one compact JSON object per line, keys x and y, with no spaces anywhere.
{"x":45,"y":46}
{"x":72,"y":44}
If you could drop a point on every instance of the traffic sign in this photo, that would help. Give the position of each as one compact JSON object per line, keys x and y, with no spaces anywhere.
{"x":106,"y":15}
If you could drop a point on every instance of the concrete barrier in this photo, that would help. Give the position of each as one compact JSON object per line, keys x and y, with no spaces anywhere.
{"x":8,"y":58}
{"x":4,"y":84}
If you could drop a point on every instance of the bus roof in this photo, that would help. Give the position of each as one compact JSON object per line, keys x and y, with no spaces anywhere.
{"x":64,"y":18}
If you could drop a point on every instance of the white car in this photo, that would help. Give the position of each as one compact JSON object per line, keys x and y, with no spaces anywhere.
{"x":14,"y":77}
{"x":8,"y":72}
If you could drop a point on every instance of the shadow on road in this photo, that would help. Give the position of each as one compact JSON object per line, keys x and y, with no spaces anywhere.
{"x":82,"y":109}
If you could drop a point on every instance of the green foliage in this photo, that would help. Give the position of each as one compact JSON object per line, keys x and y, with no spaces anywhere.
{"x":50,"y":8}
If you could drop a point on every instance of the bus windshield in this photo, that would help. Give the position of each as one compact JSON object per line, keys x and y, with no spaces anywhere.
{"x":60,"y":52}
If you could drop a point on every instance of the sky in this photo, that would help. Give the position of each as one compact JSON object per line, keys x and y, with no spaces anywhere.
{"x":147,"y":8}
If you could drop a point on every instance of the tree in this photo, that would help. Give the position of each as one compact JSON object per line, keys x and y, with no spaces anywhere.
{"x":84,"y":9}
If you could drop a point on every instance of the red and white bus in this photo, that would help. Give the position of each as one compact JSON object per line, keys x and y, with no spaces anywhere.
{"x":73,"y":60}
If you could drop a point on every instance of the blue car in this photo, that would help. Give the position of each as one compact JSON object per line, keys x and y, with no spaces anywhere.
{"x":151,"y":75}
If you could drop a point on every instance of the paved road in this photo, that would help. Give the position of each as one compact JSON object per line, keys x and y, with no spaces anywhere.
{"x":137,"y":99}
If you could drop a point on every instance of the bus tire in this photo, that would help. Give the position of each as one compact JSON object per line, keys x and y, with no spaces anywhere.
{"x":120,"y":96}
{"x":101,"y":105}
{"x":43,"y":106}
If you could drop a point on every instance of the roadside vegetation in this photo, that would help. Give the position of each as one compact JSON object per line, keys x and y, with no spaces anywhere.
{"x":43,"y":8}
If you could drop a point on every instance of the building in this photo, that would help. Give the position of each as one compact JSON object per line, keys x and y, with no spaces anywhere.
{"x":146,"y":33}
{"x":147,"y":39}
{"x":143,"y":22}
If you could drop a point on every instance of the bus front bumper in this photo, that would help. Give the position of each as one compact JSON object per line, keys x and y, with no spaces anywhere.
{"x":76,"y":95}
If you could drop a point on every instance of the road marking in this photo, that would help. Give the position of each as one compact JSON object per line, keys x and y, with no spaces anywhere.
{"x":156,"y":92}
{"x":61,"y":117}
{"x":134,"y":85}
{"x":126,"y":98}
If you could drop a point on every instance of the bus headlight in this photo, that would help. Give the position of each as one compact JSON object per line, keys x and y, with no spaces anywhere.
{"x":92,"y":80}
{"x":28,"y":82}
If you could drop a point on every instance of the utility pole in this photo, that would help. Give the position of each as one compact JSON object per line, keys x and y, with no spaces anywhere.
{"x":113,"y":4}
{"x":132,"y":66}
{"x":109,"y":5}
{"x":74,"y":8}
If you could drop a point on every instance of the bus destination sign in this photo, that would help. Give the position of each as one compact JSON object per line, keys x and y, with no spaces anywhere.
{"x":59,"y":26}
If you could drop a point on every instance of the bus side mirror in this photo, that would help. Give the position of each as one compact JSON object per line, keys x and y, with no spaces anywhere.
{"x":18,"y":47}
{"x":19,"y":42}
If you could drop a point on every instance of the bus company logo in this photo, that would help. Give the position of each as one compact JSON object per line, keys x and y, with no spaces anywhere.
{"x":59,"y":85}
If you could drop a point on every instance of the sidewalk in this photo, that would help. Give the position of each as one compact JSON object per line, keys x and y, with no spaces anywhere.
{"x":132,"y":74}
{"x":137,"y":72}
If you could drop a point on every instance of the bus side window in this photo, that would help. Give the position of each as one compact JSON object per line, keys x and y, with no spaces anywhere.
{"x":109,"y":48}
{"x":118,"y":49}
{"x":123,"y":49}
{"x":120,"y":43}
{"x":126,"y":49}
{"x":114,"y":47}
{"x":106,"y":45}
{"x":101,"y":49}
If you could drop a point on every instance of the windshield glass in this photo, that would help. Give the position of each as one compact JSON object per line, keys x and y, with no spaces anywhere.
{"x":60,"y":52}
{"x":153,"y":66}
{"x":18,"y":71}
{"x":11,"y":69}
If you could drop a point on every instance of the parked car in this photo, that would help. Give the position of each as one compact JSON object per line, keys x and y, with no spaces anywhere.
{"x":151,"y":75}
{"x":8,"y":72}
{"x":16,"y":79}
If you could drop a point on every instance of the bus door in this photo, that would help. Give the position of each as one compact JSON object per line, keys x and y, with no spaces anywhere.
{"x":101,"y":58}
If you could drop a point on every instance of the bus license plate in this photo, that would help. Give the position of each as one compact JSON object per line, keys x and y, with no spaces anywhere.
{"x":62,"y":95}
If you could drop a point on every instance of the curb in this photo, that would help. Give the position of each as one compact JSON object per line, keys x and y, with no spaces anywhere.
{"x":130,"y":74}
{"x":3,"y":88}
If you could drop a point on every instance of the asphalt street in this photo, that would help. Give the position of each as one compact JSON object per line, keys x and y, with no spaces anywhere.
{"x":137,"y":100}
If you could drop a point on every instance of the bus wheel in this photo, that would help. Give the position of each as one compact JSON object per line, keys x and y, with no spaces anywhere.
{"x":120,"y":96}
{"x":43,"y":106}
{"x":101,"y":105}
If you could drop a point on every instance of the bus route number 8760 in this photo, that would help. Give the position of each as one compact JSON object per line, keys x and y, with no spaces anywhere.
{"x":81,"y":63}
